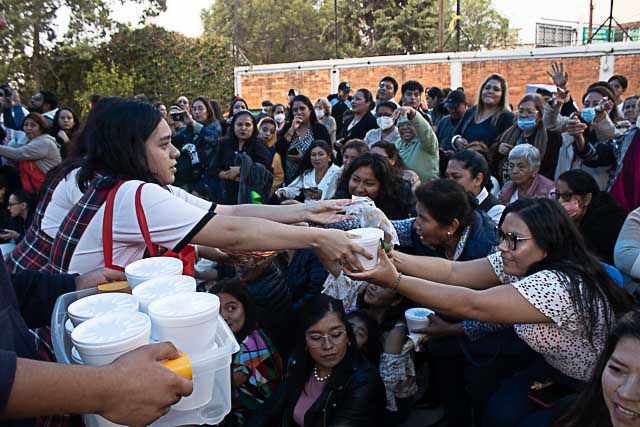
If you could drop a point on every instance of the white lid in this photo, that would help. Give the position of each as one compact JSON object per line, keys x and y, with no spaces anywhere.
{"x":155,"y":266}
{"x":111,"y":332}
{"x":159,"y":287}
{"x":367,"y":234}
{"x":418,"y":313}
{"x":184,"y":309}
{"x":95,"y":305}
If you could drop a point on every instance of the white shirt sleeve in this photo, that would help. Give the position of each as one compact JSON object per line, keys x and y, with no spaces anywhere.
{"x":64,"y":197}
{"x":190,"y":198}
{"x":292,"y":190}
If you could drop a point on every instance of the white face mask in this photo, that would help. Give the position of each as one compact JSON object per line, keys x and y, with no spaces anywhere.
{"x":384,"y":122}
{"x":319,"y":114}
{"x":279,"y":117}
{"x":638,"y":122}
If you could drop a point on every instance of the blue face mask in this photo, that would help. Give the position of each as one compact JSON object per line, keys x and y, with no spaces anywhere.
{"x":527,"y":123}
{"x":588,"y":115}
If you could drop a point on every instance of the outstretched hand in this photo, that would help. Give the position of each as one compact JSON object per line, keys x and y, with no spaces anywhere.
{"x":384,"y":274}
{"x":328,"y":211}
{"x":559,"y":76}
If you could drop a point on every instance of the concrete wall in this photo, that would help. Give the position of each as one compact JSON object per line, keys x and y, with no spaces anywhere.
{"x":585,"y":64}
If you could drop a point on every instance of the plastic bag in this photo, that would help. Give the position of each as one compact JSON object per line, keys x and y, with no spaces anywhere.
{"x":344,"y":289}
{"x":368,"y":215}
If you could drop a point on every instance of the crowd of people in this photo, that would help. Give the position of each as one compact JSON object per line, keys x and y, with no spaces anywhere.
{"x":518,"y":225}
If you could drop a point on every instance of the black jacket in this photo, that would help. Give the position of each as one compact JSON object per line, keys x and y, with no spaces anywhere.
{"x":601,"y":225}
{"x":353,"y":397}
{"x":359,"y":131}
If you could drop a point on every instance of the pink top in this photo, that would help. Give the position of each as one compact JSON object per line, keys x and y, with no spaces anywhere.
{"x":312,"y":391}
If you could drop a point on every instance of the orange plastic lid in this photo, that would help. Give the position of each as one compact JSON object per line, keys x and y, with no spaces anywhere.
{"x":181,"y":366}
{"x":122,"y":286}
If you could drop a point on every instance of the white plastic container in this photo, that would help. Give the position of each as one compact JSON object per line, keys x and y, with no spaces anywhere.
{"x":149,"y":268}
{"x":203,"y":376}
{"x":417,"y":318}
{"x":103,"y":339}
{"x":99,"y":304}
{"x":188,"y":320}
{"x":369,"y":239}
{"x":160,"y":287}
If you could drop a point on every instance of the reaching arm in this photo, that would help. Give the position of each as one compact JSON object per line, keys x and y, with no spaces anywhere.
{"x":475,"y":274}
{"x":34,"y":150}
{"x":321,"y":212}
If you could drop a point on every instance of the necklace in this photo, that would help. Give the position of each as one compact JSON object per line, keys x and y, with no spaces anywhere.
{"x":318,"y":377}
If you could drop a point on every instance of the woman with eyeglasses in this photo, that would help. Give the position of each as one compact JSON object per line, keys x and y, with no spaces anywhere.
{"x":525,"y":179}
{"x":598,"y":216}
{"x":329,"y":382}
{"x":528,"y":129}
{"x":543,"y":280}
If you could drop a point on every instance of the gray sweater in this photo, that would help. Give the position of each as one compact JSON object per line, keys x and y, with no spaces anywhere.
{"x":42,"y":149}
{"x":627,"y":250}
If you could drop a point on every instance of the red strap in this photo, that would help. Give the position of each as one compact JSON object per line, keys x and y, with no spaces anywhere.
{"x":142,"y":222}
{"x":107,"y":229}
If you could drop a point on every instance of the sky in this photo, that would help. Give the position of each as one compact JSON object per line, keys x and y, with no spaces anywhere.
{"x":184,"y":15}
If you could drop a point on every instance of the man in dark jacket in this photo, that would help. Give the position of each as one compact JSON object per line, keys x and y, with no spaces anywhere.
{"x":340,"y":104}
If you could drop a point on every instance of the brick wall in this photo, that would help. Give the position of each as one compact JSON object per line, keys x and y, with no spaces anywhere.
{"x":320,"y":78}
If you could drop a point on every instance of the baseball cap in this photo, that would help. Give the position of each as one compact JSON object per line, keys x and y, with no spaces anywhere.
{"x":455,"y":98}
{"x":344,"y":86}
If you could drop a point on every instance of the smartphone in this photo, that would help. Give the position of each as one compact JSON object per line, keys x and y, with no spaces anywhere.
{"x":177,"y":117}
{"x":293,"y":151}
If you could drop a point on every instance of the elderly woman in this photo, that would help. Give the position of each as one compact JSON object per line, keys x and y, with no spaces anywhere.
{"x":418,"y":144}
{"x":526,"y":182}
{"x":528,"y":129}
{"x":596,"y":213}
{"x":323,"y":113}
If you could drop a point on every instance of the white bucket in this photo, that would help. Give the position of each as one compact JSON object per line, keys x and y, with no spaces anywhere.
{"x":417,"y":318}
{"x":203,"y":369}
{"x":188,"y":320}
{"x":148,"y":268}
{"x":103,"y":339}
{"x":160,"y":287}
{"x":99,"y":304}
{"x":369,"y":239}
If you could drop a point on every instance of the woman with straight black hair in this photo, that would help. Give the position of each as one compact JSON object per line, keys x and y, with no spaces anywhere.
{"x":362,"y":120}
{"x":557,"y":295}
{"x":198,"y":143}
{"x":66,"y":125}
{"x":469,"y":169}
{"x":242,"y":138}
{"x":370,"y":175}
{"x":328,"y":382}
{"x":131,"y":156}
{"x":598,"y":216}
{"x":298,"y":134}
{"x":398,"y":166}
{"x":612,"y":397}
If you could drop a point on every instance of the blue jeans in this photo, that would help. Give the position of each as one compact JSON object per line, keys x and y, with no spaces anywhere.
{"x":510,"y":406}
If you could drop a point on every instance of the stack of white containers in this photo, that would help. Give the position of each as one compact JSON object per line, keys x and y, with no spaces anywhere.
{"x":106,"y":326}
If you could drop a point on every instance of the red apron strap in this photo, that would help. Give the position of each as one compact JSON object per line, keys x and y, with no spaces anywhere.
{"x":107,"y":228}
{"x":142,"y":222}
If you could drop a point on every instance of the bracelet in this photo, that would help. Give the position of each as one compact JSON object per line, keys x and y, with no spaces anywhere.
{"x":394,"y":288}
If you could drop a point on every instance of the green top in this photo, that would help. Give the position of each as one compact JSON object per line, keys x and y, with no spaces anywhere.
{"x":421,"y":153}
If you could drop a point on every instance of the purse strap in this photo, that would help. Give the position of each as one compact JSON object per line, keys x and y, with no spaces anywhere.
{"x":142,"y":222}
{"x":107,"y":229}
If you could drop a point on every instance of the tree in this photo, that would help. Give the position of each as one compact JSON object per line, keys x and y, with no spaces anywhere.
{"x":31,"y":32}
{"x":108,"y":80}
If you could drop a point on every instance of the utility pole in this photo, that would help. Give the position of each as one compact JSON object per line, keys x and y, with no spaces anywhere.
{"x":440,"y":25}
{"x":335,"y":20}
{"x":590,"y":30}
{"x":234,"y":36}
{"x":458,"y":26}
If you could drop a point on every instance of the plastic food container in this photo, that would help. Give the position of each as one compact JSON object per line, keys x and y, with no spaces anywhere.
{"x":188,"y":320}
{"x":103,"y":339}
{"x":149,"y":268}
{"x":96,"y":305}
{"x":369,"y":239}
{"x":154,"y":289}
{"x":417,"y":318}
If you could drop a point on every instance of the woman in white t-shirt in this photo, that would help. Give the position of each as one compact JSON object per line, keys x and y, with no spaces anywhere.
{"x":132,"y":142}
{"x":557,"y":295}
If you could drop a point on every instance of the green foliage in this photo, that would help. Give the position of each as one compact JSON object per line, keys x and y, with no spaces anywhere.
{"x":106,"y":80}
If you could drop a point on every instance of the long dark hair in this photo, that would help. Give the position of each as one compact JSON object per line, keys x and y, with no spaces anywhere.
{"x":313,"y":119}
{"x":446,"y":200}
{"x":233,"y":102}
{"x":211,"y":116}
{"x":55,"y":128}
{"x":476,"y":164}
{"x":390,"y":195}
{"x":305,"y":165}
{"x":117,"y":142}
{"x":373,"y":348}
{"x":590,"y":287}
{"x":240,"y":293}
{"x":231,"y":134}
{"x":590,"y":409}
{"x":313,"y":310}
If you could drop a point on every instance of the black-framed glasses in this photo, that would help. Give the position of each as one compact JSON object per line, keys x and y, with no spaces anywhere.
{"x":317,"y":340}
{"x":566,"y":196}
{"x":511,"y":238}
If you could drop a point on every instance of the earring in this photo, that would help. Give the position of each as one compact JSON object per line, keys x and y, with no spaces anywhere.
{"x":448,"y":233}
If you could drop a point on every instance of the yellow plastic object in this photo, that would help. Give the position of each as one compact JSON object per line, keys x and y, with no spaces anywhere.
{"x":122,"y":286}
{"x":181,"y":366}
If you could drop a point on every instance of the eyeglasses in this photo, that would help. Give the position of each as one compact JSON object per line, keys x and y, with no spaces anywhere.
{"x":511,"y":239}
{"x":317,"y":340}
{"x":564,"y":196}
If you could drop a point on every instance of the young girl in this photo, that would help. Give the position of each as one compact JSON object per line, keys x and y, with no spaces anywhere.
{"x":257,"y":366}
